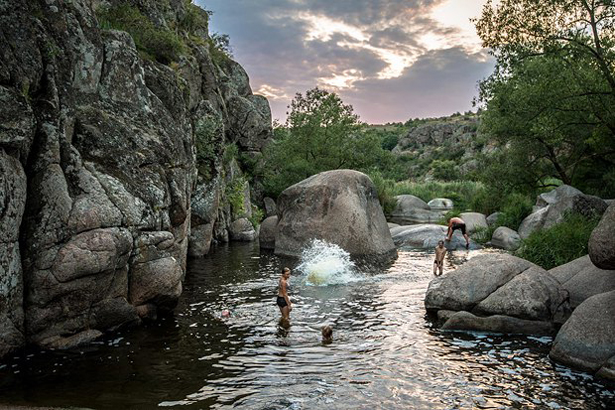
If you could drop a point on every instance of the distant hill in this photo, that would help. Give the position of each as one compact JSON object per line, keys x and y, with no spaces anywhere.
{"x":440,"y":148}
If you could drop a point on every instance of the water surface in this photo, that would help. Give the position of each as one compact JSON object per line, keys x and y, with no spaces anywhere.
{"x":385,"y":353}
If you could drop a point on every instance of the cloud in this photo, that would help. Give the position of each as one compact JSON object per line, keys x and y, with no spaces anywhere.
{"x":353,"y":47}
{"x":439,"y":83}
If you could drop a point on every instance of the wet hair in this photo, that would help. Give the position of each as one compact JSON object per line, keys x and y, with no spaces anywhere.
{"x":440,"y":242}
{"x":327,"y":332}
{"x":284,"y":270}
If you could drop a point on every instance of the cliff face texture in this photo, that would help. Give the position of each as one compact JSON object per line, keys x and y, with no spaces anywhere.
{"x":99,"y":162}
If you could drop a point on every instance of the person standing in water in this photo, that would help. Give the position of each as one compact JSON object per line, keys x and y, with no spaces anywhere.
{"x":454,"y":224}
{"x":283,"y":300}
{"x":438,"y":263}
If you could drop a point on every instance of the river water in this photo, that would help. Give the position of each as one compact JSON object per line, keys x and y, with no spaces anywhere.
{"x":385,"y":354}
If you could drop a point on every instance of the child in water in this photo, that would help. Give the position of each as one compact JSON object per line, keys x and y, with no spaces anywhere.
{"x":438,"y":263}
{"x":327,"y":334}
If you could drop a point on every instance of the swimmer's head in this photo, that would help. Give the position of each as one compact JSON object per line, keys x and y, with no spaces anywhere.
{"x":440,"y":243}
{"x":286,"y":272}
{"x":327,"y":333}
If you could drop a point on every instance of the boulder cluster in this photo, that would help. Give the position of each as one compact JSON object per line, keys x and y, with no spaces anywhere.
{"x":574,"y":302}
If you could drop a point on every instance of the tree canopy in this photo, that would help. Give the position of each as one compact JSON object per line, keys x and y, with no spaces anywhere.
{"x":551,"y":100}
{"x":321,"y":133}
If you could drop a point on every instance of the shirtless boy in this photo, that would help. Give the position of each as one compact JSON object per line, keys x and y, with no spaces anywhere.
{"x":283,"y":301}
{"x":454,"y":224}
{"x":438,"y":263}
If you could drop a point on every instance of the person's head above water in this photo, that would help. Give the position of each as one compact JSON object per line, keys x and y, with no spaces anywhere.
{"x":327,"y":333}
{"x":286,"y":272}
{"x":440,"y":243}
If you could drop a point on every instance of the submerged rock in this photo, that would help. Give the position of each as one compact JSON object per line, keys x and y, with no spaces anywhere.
{"x":497,"y":324}
{"x":340,"y":207}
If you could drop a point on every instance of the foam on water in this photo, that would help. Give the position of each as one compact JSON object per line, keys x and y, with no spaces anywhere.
{"x":325,"y":264}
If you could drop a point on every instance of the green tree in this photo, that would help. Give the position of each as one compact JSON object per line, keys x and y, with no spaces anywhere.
{"x":321,"y":133}
{"x":551,"y":100}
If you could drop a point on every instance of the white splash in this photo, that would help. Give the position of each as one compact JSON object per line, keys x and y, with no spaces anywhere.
{"x":325,"y":264}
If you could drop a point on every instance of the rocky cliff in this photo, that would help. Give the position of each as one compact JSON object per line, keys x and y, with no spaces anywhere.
{"x":442,"y":148}
{"x":114,"y":120}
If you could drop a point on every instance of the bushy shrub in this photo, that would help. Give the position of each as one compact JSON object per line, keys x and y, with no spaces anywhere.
{"x":385,"y":191}
{"x":483,"y":235}
{"x":157,"y":43}
{"x":209,"y":138}
{"x":195,"y":18}
{"x":460,"y":192}
{"x":514,"y":209}
{"x":257,"y":216}
{"x":559,"y":244}
{"x":234,"y":194}
{"x":444,"y":170}
{"x":220,"y":48}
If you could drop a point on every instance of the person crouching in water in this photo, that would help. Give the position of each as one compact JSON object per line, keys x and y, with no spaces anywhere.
{"x":283,"y":300}
{"x":438,"y":263}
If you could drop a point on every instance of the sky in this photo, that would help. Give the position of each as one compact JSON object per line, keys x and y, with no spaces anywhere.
{"x":392,"y":60}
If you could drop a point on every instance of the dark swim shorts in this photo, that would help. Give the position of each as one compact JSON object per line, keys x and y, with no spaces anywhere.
{"x":460,"y":226}
{"x":281,"y":302}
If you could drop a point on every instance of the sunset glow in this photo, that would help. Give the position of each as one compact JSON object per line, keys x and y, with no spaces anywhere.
{"x":357,"y":49}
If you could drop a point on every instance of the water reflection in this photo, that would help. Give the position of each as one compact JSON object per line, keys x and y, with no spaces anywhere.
{"x":385,"y":354}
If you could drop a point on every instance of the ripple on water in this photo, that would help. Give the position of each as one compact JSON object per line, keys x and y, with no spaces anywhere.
{"x":385,"y":354}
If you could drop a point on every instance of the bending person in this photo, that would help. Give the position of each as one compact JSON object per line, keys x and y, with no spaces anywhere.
{"x":283,"y":300}
{"x":454,"y":224}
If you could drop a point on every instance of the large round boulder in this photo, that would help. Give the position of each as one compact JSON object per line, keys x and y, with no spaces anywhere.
{"x":426,"y":236}
{"x":242,"y":230}
{"x":587,"y":340}
{"x":498,"y":292}
{"x":493,"y":218}
{"x":506,"y":238}
{"x":602,"y":241}
{"x":413,"y":210}
{"x":440,"y":204}
{"x":266,"y":236}
{"x":474,"y":221}
{"x":582,"y":279}
{"x":340,"y":207}
{"x":565,"y":272}
{"x":533,"y":222}
{"x":473,"y":281}
{"x":556,"y":195}
{"x":560,"y":205}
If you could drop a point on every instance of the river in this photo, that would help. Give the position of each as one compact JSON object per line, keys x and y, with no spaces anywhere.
{"x":385,"y":353}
